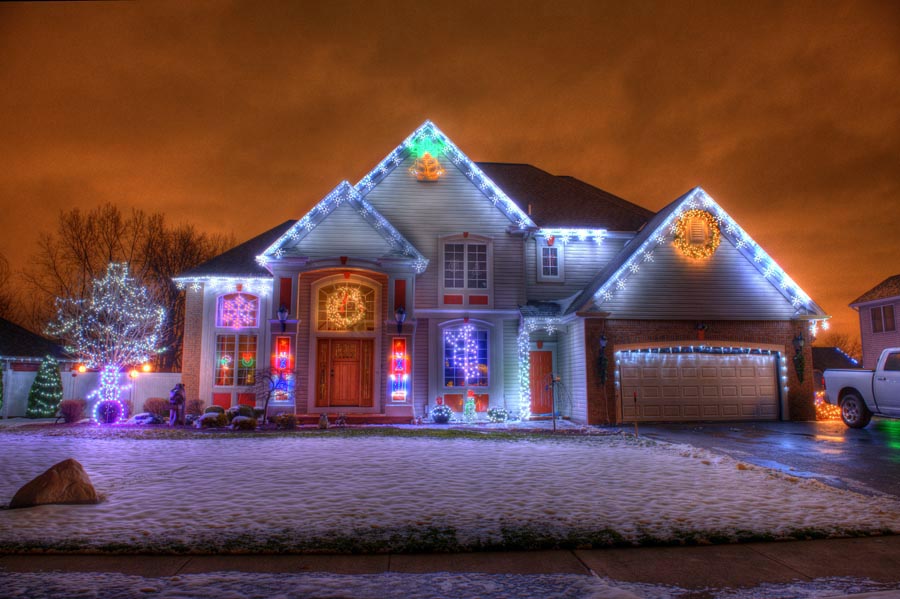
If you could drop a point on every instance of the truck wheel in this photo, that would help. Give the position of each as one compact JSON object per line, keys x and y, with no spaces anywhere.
{"x":854,"y":412}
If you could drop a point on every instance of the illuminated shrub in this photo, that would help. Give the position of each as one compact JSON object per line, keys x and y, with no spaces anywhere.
{"x":72,"y":410}
{"x":157,"y":406}
{"x":497,"y":415}
{"x":441,"y":414}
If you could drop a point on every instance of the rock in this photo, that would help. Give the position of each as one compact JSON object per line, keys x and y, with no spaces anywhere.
{"x":65,"y":482}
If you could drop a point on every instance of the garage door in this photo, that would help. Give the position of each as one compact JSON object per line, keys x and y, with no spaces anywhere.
{"x":685,"y":387}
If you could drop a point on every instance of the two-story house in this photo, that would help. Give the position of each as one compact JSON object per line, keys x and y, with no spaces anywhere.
{"x":435,"y":276}
{"x":878,"y":308}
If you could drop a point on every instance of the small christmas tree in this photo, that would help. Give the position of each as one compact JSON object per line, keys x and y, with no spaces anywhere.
{"x":46,"y":391}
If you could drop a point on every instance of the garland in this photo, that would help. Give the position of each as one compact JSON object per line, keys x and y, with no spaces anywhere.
{"x":682,"y":237}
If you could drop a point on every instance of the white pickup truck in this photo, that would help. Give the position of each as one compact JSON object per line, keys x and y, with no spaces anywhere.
{"x":864,"y":393}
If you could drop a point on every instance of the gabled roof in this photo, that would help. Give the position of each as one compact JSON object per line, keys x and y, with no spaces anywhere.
{"x":563,"y":201}
{"x":890,"y":287}
{"x":239,"y":261}
{"x":429,"y":137}
{"x":824,"y":358}
{"x":18,"y":342}
{"x":660,"y":229}
{"x":344,"y":193}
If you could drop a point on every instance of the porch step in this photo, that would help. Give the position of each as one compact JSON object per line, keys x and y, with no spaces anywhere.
{"x":355,"y":419}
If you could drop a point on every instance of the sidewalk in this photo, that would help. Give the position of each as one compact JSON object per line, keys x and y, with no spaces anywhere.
{"x":699,"y":567}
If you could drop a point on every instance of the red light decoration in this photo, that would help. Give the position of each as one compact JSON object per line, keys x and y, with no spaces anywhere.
{"x":283,"y":358}
{"x":399,"y":369}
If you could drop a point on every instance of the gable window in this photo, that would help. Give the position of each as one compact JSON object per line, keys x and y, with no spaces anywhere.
{"x":883,"y":319}
{"x":550,"y":261}
{"x":235,"y":360}
{"x":466,"y":362}
{"x":237,"y":311}
{"x":466,"y":275}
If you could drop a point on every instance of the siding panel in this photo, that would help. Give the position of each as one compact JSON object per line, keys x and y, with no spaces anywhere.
{"x":583,"y":260}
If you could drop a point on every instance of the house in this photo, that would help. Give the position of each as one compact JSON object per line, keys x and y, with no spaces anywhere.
{"x":437,"y":277}
{"x":21,"y":354}
{"x":877,"y":309}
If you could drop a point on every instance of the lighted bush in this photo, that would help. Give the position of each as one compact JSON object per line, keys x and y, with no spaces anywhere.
{"x":497,"y":415}
{"x":212,"y":420}
{"x":441,"y":414}
{"x":242,"y":423}
{"x":194,"y":407}
{"x":72,"y":410}
{"x":214,"y":410}
{"x":157,"y":406}
{"x":286,"y":421}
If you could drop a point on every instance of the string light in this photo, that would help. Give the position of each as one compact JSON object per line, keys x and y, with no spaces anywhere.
{"x":682,"y":238}
{"x":566,"y":234}
{"x":464,"y":351}
{"x":46,"y":390}
{"x":238,"y":311}
{"x":345,"y":307}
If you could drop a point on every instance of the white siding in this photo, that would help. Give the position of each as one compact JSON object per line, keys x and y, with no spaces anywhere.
{"x":342,"y":233}
{"x":570,"y":361}
{"x":511,"y":390}
{"x":583,"y":260}
{"x":724,"y":287}
{"x":424,"y":212}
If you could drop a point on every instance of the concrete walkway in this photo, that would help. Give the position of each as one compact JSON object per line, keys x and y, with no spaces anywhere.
{"x":701,"y":567}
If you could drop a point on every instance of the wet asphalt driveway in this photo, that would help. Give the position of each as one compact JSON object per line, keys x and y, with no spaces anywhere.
{"x":866,"y":460}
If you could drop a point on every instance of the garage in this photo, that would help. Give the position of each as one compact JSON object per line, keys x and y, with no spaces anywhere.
{"x":690,"y":386}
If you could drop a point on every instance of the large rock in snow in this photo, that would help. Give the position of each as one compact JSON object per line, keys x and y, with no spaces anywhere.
{"x":65,"y":482}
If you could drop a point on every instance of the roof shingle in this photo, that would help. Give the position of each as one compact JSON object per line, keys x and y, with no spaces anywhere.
{"x":890,"y":287}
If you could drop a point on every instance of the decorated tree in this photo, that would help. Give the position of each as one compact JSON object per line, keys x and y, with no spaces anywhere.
{"x":46,"y":390}
{"x":116,"y":325}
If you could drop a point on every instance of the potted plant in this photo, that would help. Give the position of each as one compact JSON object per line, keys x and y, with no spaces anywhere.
{"x":441,"y":414}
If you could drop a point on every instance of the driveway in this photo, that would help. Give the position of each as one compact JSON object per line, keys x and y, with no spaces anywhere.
{"x":863,"y":460}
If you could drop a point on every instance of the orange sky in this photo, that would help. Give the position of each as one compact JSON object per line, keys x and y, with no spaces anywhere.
{"x":237,"y":116}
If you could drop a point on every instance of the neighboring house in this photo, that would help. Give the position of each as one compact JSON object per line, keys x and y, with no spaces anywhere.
{"x":438,"y":277}
{"x":878,"y":309}
{"x":21,"y":354}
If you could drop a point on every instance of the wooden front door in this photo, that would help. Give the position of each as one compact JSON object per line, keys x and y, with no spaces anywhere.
{"x":344,"y":373}
{"x":541,"y":390}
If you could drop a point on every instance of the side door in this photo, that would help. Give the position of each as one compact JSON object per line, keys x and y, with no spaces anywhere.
{"x":886,"y":384}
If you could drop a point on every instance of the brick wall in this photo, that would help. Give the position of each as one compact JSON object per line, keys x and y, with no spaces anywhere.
{"x":603,"y":407}
{"x":193,"y":341}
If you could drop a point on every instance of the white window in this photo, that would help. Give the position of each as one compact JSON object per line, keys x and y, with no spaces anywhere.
{"x":466,"y":271}
{"x":550,"y":261}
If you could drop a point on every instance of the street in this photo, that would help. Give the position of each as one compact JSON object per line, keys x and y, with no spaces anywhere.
{"x":863,"y":460}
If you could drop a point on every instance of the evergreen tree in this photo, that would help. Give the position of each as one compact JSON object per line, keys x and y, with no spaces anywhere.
{"x":46,"y":391}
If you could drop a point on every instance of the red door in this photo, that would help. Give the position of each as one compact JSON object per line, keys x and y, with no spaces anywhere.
{"x":541,"y":390}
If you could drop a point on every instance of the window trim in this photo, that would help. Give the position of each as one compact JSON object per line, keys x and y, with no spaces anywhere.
{"x":465,"y":293}
{"x":880,"y":321}
{"x":220,"y":299}
{"x":541,"y":243}
{"x":236,"y":341}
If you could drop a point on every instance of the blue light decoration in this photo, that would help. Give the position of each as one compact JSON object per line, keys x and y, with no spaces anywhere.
{"x":219,"y":284}
{"x":117,"y":325}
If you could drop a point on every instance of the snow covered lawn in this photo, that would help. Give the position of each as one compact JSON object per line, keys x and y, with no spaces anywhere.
{"x":385,"y":493}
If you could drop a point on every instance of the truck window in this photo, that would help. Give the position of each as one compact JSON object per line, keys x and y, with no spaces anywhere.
{"x":892,"y":362}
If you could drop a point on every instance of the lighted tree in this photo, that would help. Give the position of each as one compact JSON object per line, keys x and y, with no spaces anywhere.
{"x":115,"y":326}
{"x":46,"y":390}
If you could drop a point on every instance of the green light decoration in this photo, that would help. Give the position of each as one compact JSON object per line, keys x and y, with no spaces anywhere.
{"x":427,"y":144}
{"x":46,"y":391}
{"x":248,"y":360}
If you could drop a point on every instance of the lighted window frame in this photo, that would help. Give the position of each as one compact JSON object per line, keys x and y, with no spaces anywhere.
{"x":883,"y":319}
{"x":455,"y":378}
{"x":550,"y":261}
{"x":365,"y":325}
{"x":236,"y":368}
{"x":223,"y":322}
{"x":466,"y":265}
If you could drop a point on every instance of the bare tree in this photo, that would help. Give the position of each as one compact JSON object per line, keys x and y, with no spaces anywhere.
{"x":74,"y":255}
{"x":269,"y":383}
{"x":7,"y":302}
{"x":846,"y":342}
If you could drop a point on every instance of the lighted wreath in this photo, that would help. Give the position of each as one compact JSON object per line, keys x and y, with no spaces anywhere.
{"x":345,"y":307}
{"x":682,"y":234}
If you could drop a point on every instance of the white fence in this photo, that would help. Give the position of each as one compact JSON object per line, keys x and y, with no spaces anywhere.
{"x":16,"y":386}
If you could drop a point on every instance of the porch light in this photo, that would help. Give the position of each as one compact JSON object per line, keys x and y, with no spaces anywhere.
{"x":400,"y":317}
{"x":282,"y":317}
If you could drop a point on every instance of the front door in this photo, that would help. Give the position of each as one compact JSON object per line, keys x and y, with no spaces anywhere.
{"x":344,"y":373}
{"x":541,"y":389}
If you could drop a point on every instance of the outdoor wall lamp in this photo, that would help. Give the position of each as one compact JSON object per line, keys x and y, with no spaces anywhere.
{"x":282,"y":317}
{"x":400,"y":317}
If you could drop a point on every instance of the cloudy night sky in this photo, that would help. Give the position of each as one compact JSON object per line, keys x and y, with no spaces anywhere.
{"x":236,"y":116}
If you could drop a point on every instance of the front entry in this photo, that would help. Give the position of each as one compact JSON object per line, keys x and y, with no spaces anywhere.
{"x":541,"y":389}
{"x":344,"y":373}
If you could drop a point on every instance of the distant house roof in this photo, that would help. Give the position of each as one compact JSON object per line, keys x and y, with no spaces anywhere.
{"x":241,"y":259}
{"x":18,"y":342}
{"x":831,"y":357}
{"x":562,"y":201}
{"x":890,"y":287}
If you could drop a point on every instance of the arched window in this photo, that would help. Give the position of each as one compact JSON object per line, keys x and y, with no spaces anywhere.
{"x":346,"y":307}
{"x":237,"y":311}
